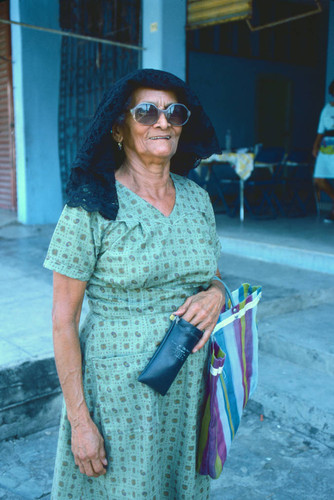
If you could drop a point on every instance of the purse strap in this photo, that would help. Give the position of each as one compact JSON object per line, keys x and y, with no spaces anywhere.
{"x":228,"y":294}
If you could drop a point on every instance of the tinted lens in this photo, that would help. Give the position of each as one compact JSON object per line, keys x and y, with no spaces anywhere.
{"x":177,"y":114}
{"x":146,"y":113}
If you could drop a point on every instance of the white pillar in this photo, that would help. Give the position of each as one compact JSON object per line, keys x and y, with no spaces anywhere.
{"x":36,"y":73}
{"x":164,"y":35}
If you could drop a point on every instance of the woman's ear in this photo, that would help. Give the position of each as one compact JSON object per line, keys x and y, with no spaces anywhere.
{"x":117,"y":133}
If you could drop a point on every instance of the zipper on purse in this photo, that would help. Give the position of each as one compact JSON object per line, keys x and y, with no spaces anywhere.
{"x":172,"y":317}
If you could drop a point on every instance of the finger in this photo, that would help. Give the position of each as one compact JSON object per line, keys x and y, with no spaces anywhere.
{"x":195,"y":313}
{"x":200,"y":320}
{"x":81,"y":467}
{"x":182,"y":309}
{"x":205,"y":318}
{"x":190,"y":316}
{"x":98,"y":467}
{"x":103,"y":457}
{"x":209,"y":322}
{"x":206,"y":328}
{"x":202,"y":342}
{"x":89,"y":469}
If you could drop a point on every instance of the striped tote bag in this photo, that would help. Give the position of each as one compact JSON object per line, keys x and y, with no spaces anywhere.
{"x":232,"y":377}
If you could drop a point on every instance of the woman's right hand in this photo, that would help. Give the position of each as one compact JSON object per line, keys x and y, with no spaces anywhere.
{"x":88,"y":449}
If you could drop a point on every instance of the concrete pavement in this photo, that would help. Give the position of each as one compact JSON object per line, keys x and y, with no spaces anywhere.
{"x":267,"y":461}
{"x":284,"y":447}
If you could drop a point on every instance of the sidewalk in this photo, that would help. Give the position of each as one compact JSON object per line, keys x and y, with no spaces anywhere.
{"x":273,"y":457}
{"x":304,"y":242}
{"x":267,"y":461}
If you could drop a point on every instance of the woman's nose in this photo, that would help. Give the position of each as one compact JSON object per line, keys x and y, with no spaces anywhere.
{"x":162,"y":121}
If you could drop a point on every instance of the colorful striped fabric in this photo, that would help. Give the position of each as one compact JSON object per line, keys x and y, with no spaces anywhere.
{"x":231,"y":380}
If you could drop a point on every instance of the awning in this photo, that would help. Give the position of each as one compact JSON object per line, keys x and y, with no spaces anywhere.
{"x":202,"y":13}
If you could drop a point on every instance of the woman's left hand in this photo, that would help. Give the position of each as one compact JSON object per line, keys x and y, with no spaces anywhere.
{"x":202,"y":310}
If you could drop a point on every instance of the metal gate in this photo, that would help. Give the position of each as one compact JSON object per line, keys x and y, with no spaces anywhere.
{"x":88,"y":68}
{"x":7,"y":149}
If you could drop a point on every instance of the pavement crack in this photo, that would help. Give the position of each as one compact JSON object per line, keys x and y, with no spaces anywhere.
{"x":323,"y":441}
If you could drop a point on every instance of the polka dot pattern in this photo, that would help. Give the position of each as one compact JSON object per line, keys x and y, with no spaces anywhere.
{"x":138,"y":269}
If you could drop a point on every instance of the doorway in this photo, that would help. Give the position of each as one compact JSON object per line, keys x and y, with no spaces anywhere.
{"x":273,"y":111}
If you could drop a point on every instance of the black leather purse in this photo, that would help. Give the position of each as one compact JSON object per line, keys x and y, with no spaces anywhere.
{"x":171,"y":354}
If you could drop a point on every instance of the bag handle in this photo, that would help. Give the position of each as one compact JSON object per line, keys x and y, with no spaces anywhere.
{"x":228,"y":294}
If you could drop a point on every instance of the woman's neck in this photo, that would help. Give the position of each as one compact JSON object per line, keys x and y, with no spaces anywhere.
{"x":152,"y":179}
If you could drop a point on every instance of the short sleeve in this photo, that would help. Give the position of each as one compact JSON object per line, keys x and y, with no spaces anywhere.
{"x":75,"y":244}
{"x":215,"y":241}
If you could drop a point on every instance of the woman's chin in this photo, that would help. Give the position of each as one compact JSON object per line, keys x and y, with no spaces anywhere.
{"x":163,"y":151}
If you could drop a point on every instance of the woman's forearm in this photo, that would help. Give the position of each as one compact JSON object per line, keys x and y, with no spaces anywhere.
{"x":316,"y":144}
{"x":67,"y":303}
{"x":69,"y":367}
{"x":86,"y":441}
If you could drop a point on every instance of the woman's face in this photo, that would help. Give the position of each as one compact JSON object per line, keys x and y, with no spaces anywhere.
{"x":150,"y":142}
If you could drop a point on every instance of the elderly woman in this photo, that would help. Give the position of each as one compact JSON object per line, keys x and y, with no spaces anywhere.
{"x":323,"y":151}
{"x":139,"y":238}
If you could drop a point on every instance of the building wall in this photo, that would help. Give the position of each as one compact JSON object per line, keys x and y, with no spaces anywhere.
{"x":227,"y":88}
{"x":164,"y":36}
{"x":36,"y":70}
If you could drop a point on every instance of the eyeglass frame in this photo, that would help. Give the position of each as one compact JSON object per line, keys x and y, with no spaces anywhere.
{"x":164,"y":111}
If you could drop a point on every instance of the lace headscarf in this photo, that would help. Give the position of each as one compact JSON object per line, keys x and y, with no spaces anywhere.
{"x":92,"y":180}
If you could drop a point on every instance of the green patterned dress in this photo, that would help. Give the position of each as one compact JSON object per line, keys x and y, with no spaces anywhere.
{"x":139,"y":269}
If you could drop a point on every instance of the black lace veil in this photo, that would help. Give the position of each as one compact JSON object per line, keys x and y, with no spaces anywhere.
{"x":92,"y":181}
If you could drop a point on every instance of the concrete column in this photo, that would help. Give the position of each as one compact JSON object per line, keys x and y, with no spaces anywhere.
{"x":36,"y":73}
{"x":164,"y":35}
{"x":330,"y":49}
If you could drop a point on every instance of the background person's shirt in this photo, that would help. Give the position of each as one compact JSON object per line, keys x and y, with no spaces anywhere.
{"x":326,"y":121}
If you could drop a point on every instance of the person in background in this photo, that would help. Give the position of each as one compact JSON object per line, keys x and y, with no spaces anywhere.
{"x":139,"y":239}
{"x":323,"y":151}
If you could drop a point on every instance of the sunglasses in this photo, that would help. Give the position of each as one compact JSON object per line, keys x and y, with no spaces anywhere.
{"x":147,"y":113}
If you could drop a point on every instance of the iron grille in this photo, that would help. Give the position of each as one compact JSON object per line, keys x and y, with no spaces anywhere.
{"x":88,"y":68}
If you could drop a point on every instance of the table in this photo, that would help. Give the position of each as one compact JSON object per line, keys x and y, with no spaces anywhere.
{"x":243,"y":164}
